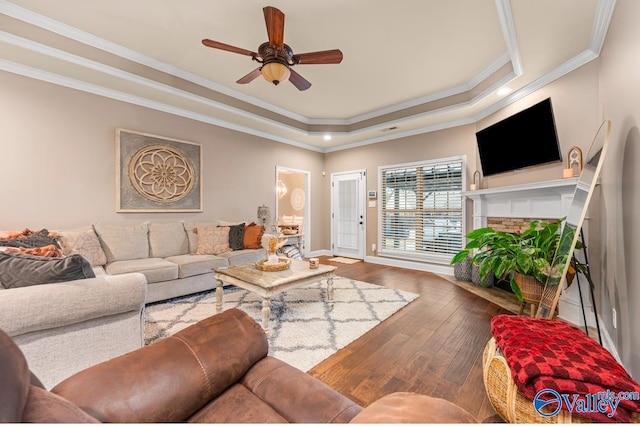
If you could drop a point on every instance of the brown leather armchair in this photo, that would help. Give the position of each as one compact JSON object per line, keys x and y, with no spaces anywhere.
{"x":216,"y":371}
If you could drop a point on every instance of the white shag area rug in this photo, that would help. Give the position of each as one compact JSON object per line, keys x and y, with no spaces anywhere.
{"x":304,"y":331}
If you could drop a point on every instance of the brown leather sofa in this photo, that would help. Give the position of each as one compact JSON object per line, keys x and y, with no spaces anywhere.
{"x":216,"y":371}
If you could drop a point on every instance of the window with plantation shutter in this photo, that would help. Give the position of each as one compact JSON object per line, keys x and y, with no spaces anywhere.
{"x":421,"y":209}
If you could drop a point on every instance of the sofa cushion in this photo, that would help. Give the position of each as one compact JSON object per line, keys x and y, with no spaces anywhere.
{"x":238,"y":405}
{"x":192,"y":233}
{"x":167,"y":239}
{"x":193,"y":265}
{"x":253,"y":236}
{"x":124,"y":242}
{"x":244,"y":256}
{"x":19,"y":270}
{"x":412,"y":408}
{"x":213,"y":241}
{"x":154,"y":269}
{"x":99,"y":270}
{"x":236,"y":236}
{"x":45,"y":407}
{"x":84,"y":242}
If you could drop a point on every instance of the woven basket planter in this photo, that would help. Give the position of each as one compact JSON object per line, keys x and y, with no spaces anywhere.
{"x":462,"y":270}
{"x":509,"y":402}
{"x":530,"y":286}
{"x":475,"y":277}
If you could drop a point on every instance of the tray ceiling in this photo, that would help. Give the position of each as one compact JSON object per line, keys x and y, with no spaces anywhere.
{"x":409,"y":67}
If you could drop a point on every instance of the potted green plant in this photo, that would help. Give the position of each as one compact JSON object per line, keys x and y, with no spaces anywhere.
{"x":530,"y":255}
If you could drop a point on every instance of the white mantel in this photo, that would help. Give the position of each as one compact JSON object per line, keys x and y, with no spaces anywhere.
{"x":539,"y":200}
{"x":544,"y":200}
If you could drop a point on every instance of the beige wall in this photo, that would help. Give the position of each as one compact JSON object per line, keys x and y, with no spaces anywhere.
{"x":445,"y":143}
{"x":575,"y":107}
{"x":620,"y":228}
{"x":574,"y":98}
{"x":58,"y":160}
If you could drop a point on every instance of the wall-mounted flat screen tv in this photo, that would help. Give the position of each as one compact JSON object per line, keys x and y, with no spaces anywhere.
{"x":526,"y":139}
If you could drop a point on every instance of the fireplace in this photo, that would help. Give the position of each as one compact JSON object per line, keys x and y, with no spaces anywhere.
{"x":517,"y":205}
{"x":512,"y":208}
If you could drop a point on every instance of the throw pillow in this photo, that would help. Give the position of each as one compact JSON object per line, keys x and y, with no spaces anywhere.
{"x":167,"y":239}
{"x":34,"y":240}
{"x":20,"y":270}
{"x":51,"y":251}
{"x":192,"y":233}
{"x":123,"y":242}
{"x":253,"y":236}
{"x":236,"y":237}
{"x":213,"y":240}
{"x":84,"y":243}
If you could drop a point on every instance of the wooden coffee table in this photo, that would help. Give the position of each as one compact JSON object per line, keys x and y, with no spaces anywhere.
{"x":270,"y":283}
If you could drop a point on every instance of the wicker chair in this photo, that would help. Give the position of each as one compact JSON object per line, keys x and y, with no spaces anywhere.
{"x":509,"y":402}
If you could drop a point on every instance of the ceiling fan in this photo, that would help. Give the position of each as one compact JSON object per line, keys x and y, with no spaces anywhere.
{"x":277,"y":58}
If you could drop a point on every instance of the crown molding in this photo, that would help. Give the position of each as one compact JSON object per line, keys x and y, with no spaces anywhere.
{"x":88,"y":39}
{"x":509,"y":31}
{"x":601,"y":24}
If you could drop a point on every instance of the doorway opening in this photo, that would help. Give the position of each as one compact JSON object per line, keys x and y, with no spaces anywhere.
{"x":292,"y":206}
{"x":348,"y":221}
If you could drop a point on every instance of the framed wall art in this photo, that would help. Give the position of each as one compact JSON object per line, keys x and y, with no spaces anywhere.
{"x":157,"y":174}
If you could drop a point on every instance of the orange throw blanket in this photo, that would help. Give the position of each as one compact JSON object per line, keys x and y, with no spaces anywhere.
{"x":48,"y":251}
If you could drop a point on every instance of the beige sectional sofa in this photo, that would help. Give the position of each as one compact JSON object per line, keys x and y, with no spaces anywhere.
{"x":167,"y":254}
{"x":66,"y":326}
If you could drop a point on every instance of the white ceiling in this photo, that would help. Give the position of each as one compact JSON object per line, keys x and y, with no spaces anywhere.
{"x":412,"y":65}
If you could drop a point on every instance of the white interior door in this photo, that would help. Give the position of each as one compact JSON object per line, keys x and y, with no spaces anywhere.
{"x":348,"y":214}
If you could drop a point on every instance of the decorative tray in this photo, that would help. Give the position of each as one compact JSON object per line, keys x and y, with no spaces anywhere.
{"x":283,"y":264}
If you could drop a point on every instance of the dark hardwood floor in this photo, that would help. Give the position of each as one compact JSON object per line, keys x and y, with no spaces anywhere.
{"x":432,"y":346}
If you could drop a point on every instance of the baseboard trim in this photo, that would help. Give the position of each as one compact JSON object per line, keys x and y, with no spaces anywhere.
{"x":322,"y":252}
{"x":391,"y":262}
{"x":420,"y":266}
{"x":607,"y":342}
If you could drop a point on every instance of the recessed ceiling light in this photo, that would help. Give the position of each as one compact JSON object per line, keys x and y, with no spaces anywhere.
{"x":503,"y":91}
{"x":326,"y":137}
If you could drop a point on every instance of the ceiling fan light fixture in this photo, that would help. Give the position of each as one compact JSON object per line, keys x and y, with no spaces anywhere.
{"x":275,"y":72}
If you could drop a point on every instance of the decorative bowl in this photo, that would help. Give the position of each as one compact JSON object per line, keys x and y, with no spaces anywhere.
{"x":283,"y":264}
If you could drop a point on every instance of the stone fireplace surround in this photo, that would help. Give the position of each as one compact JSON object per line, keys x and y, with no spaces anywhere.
{"x":512,"y":208}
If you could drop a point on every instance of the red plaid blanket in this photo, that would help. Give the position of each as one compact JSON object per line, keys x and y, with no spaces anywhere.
{"x":551,"y":354}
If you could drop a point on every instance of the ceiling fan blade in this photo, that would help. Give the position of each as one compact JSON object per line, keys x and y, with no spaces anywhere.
{"x":333,"y":56}
{"x":274,"y":20}
{"x":249,"y":77}
{"x":298,"y":81}
{"x":227,"y":47}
